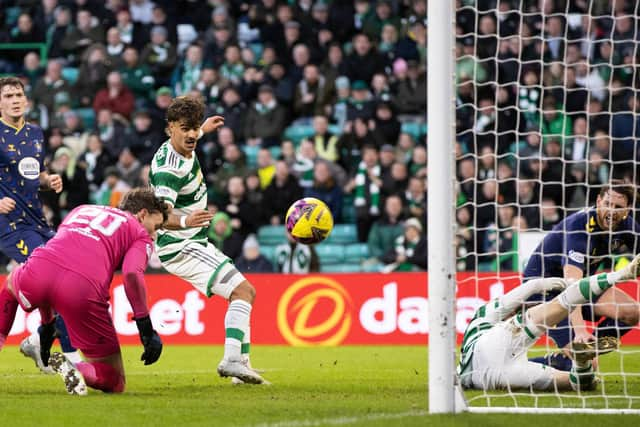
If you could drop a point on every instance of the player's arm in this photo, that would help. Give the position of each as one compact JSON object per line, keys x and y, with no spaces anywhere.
{"x":576,"y":261}
{"x":176,"y":221}
{"x":581,"y":333}
{"x":212,"y":124}
{"x":133,"y":267}
{"x":50,"y":181}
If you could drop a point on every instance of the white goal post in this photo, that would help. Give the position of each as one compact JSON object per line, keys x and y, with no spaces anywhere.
{"x":441,"y":206}
{"x":571,"y":71}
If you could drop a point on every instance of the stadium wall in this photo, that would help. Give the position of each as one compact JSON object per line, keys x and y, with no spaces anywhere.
{"x":305,"y":310}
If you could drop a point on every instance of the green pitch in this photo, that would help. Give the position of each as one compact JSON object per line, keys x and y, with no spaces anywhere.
{"x":357,"y":385}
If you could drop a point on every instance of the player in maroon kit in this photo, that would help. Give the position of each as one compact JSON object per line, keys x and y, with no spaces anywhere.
{"x":72,"y":275}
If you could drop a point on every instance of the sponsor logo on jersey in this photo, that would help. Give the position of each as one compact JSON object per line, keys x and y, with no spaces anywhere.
{"x":29,"y":168}
{"x":576,"y":257}
{"x":163,"y":192}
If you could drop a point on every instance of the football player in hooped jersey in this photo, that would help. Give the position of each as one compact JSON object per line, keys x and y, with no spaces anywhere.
{"x":72,"y":275}
{"x":183,"y":246}
{"x":22,"y":224}
{"x":496,"y":341}
{"x":574,"y":249}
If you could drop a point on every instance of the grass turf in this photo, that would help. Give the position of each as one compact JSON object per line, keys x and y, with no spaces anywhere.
{"x":356,"y":385}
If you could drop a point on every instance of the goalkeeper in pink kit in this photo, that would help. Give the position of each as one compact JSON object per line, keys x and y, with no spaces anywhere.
{"x":72,"y":275}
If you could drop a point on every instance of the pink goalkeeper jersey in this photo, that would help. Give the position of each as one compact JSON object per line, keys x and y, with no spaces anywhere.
{"x":95,"y":241}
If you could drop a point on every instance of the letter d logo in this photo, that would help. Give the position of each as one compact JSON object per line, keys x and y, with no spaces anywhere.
{"x":314,"y":311}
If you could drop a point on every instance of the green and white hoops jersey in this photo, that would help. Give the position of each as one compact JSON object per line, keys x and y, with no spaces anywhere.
{"x":484,"y":319}
{"x":179,"y":182}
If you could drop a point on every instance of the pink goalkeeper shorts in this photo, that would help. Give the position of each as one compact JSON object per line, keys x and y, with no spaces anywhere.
{"x":40,"y":283}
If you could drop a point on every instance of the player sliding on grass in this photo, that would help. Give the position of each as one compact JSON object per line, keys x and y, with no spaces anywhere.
{"x":23,"y":227}
{"x":496,"y":341}
{"x":183,"y":246}
{"x":72,"y":275}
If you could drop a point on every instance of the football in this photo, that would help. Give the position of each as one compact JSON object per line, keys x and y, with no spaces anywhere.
{"x":309,"y":221}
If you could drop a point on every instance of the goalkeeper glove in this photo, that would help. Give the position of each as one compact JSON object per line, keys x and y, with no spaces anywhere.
{"x":47,"y":333}
{"x":150,"y":340}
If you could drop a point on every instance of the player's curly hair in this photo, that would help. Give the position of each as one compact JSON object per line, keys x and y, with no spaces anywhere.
{"x":144,"y":198}
{"x":11,"y":81}
{"x":187,"y":110}
{"x":620,"y":186}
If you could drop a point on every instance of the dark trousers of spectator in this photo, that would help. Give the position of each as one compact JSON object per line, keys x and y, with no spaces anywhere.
{"x":364,"y":222}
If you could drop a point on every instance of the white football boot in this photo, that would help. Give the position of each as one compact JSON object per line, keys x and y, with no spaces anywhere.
{"x":30,"y":347}
{"x":247,"y":362}
{"x":239,"y":368}
{"x":73,"y":379}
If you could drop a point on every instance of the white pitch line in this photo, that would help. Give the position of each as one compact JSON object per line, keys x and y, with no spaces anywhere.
{"x":343,"y":420}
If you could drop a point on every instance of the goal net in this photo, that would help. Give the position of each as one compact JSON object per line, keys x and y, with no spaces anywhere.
{"x":546,"y":110}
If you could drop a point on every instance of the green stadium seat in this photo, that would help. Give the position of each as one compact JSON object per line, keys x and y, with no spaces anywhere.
{"x":257,"y":49}
{"x":298,"y":133}
{"x":335,"y":129}
{"x":372,"y":267}
{"x":341,"y":268}
{"x":330,"y":254}
{"x":269,"y":252}
{"x":348,"y":209}
{"x":356,"y":252}
{"x":88,"y":117}
{"x":251,"y":151}
{"x":70,"y":74}
{"x":275,"y":152}
{"x":343,"y":234}
{"x":271,"y":235}
{"x":414,"y":129}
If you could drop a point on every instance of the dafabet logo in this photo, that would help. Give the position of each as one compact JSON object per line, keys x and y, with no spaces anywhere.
{"x":315,"y":311}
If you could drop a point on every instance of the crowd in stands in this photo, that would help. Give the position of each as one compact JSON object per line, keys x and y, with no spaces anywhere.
{"x":547,"y":112}
{"x":321,"y":98}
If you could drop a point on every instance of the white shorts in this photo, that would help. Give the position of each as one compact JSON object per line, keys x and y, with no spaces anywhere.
{"x":206,"y":268}
{"x":500,"y":361}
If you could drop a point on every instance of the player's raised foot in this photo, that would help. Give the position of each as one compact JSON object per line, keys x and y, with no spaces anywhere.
{"x":30,"y":347}
{"x":583,"y":352}
{"x":238,"y":369}
{"x":632,"y":270}
{"x":73,"y":379}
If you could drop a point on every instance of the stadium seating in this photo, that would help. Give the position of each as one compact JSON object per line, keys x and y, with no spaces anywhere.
{"x":340,"y":268}
{"x":330,"y":253}
{"x":70,"y":74}
{"x":271,"y":235}
{"x":269,"y":252}
{"x":88,"y":117}
{"x":343,"y":234}
{"x":297,"y":133}
{"x":414,"y":129}
{"x":356,"y":252}
{"x":275,"y":152}
{"x":251,"y":151}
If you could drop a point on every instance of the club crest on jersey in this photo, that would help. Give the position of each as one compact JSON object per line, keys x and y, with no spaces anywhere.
{"x":29,"y":168}
{"x":201,"y":192}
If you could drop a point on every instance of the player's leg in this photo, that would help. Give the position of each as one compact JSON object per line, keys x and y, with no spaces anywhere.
{"x":621,"y":313}
{"x":212,"y":273}
{"x":9,"y":307}
{"x":507,"y":304}
{"x":91,"y":330}
{"x":19,"y":246}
